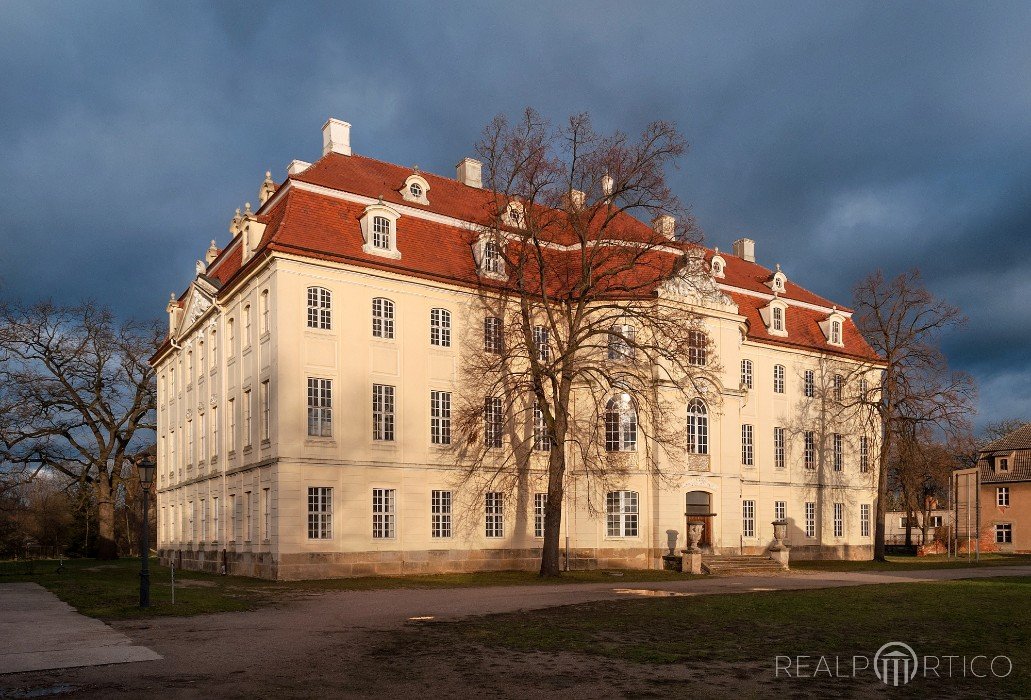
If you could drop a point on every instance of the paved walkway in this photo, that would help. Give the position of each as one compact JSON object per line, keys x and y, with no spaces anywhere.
{"x":38,"y":632}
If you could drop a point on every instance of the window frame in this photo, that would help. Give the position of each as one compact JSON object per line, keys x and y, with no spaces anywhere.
{"x":440,"y":327}
{"x":810,"y":519}
{"x":621,"y":426}
{"x":697,"y":427}
{"x":746,"y":373}
{"x":384,"y":513}
{"x":1003,"y":533}
{"x":320,"y":407}
{"x":540,"y":505}
{"x":320,"y":308}
{"x":779,"y":383}
{"x":440,"y":417}
{"x":780,"y":510}
{"x":779,"y":445}
{"x":622,"y":514}
{"x":384,"y":315}
{"x":320,"y":512}
{"x":864,"y":520}
{"x":747,"y":445}
{"x":839,"y":451}
{"x":493,"y":422}
{"x":748,"y":518}
{"x":697,"y":348}
{"x":838,"y":520}
{"x":494,"y":515}
{"x":1002,"y":496}
{"x":441,"y":504}
{"x":493,"y":335}
{"x":384,"y":407}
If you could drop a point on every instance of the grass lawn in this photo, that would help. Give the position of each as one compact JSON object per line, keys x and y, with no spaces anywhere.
{"x":740,"y":635}
{"x":110,"y":589}
{"x":936,"y":561}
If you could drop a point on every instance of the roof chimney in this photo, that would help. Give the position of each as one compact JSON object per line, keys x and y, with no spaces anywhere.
{"x":470,"y":172}
{"x":336,"y":137}
{"x":744,"y":248}
{"x":607,"y":184}
{"x":664,"y":225}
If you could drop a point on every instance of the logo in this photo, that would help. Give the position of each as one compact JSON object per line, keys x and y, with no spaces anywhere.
{"x":895,"y":663}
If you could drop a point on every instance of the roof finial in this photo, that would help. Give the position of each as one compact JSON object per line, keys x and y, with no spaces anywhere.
{"x":247,"y":209}
{"x":415,"y":168}
{"x":778,"y":267}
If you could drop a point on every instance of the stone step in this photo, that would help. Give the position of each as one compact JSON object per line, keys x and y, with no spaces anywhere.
{"x":738,"y":564}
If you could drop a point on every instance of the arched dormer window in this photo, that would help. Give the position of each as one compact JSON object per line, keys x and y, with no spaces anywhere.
{"x":775,"y":317}
{"x":620,"y":424}
{"x":833,"y":328}
{"x":416,"y":189}
{"x":778,"y":282}
{"x":718,"y":265}
{"x":379,"y":230}
{"x":697,"y":427}
{"x":514,"y":215}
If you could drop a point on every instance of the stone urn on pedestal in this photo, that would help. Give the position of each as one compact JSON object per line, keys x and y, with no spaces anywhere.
{"x":779,"y":550}
{"x":693,"y":553}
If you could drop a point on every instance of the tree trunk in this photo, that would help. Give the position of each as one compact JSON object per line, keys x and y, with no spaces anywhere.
{"x":553,"y":512}
{"x":909,"y":527}
{"x":882,"y":498}
{"x":107,"y":548}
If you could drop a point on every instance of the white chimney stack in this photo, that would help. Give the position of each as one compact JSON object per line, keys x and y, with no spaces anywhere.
{"x":744,"y":248}
{"x":336,"y":137}
{"x":470,"y":172}
{"x":665,"y":225}
{"x":607,"y":185}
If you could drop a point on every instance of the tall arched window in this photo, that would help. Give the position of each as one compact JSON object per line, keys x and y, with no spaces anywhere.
{"x":620,"y":424}
{"x":382,"y":318}
{"x":320,"y":308}
{"x":697,"y":427}
{"x":621,"y":339}
{"x":440,"y":327}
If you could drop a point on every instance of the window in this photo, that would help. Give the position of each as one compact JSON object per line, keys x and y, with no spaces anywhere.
{"x":440,"y":417}
{"x":171,"y":382}
{"x":697,"y":427}
{"x":189,"y":442}
{"x":936,"y":521}
{"x":193,"y":521}
{"x":266,"y":314}
{"x":247,"y":326}
{"x":416,"y":189}
{"x":780,"y":510}
{"x":620,"y":424}
{"x":697,"y":348}
{"x":493,"y":421}
{"x":1004,"y":533}
{"x":202,"y":361}
{"x":839,"y":385}
{"x":836,"y":332}
{"x":382,"y":412}
{"x":216,"y":516}
{"x":839,"y":451}
{"x":778,"y":379}
{"x":320,"y":513}
{"x":493,"y":335}
{"x":382,"y":318}
{"x":541,"y":439}
{"x":320,"y":308}
{"x":778,"y":448}
{"x":747,"y":447}
{"x":864,"y":388}
{"x":202,"y":451}
{"x":232,"y":517}
{"x":189,"y":367}
{"x":809,"y":449}
{"x":231,"y":433}
{"x":247,"y":532}
{"x":231,"y":334}
{"x":440,"y":514}
{"x":540,"y":341}
{"x":247,"y":418}
{"x":320,"y":407}
{"x":809,"y":384}
{"x":266,"y":513}
{"x":839,"y":519}
{"x":810,"y":520}
{"x":778,"y":318}
{"x":748,"y":518}
{"x":492,"y":261}
{"x":214,"y":432}
{"x":864,"y":453}
{"x":381,"y":232}
{"x":440,"y":327}
{"x":266,"y":411}
{"x":1004,"y":464}
{"x":621,"y":512}
{"x":864,"y":520}
{"x":383,"y":513}
{"x":621,"y":342}
{"x":540,"y":504}
{"x":1002,"y":496}
{"x":746,"y":374}
{"x":203,"y":520}
{"x":494,"y":510}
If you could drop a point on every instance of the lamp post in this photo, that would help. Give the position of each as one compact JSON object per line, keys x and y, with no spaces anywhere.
{"x":147,"y":467}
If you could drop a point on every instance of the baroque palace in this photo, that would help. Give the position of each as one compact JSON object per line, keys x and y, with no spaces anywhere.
{"x":305,"y":400}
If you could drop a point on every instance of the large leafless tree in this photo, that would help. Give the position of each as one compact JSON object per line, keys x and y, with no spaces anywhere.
{"x":588,"y":353}
{"x":77,"y":397}
{"x":904,"y":323}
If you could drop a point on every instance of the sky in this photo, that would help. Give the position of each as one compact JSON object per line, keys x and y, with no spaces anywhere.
{"x":842,"y":137}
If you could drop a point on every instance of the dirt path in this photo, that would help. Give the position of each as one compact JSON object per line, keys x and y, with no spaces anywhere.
{"x":333,"y":644}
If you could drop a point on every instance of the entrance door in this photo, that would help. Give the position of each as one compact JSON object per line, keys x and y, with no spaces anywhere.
{"x":699,"y":507}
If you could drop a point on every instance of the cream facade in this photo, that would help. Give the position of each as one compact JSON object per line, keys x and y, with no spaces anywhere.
{"x":297,"y":438}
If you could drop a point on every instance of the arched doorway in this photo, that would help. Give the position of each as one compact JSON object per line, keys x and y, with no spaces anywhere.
{"x":699,"y":507}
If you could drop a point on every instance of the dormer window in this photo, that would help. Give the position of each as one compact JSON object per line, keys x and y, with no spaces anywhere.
{"x":1003,"y":464}
{"x":379,"y":230}
{"x":514,"y":215}
{"x":775,"y":316}
{"x":833,"y":328}
{"x":778,"y":282}
{"x":415,"y":189}
{"x":719,"y":265}
{"x":490,"y":258}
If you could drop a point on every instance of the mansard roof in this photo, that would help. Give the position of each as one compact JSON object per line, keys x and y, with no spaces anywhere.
{"x":315,"y":214}
{"x":1017,"y":444}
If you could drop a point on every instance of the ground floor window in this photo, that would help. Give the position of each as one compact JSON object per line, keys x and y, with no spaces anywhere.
{"x":320,"y":512}
{"x":1004,"y":533}
{"x":864,"y":520}
{"x":383,"y":513}
{"x":540,"y":502}
{"x":494,"y":507}
{"x":748,"y":518}
{"x":839,"y":519}
{"x":810,"y":520}
{"x":621,"y":510}
{"x":440,"y":514}
{"x":780,"y":510}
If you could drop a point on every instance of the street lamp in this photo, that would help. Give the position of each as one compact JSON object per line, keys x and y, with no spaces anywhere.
{"x":147,"y":468}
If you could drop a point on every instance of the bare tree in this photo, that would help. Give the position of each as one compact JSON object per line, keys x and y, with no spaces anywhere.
{"x":591,"y":336}
{"x":77,"y":397}
{"x":919,"y":471}
{"x":904,"y":323}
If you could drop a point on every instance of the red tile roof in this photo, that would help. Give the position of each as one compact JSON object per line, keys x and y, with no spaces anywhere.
{"x":321,"y":226}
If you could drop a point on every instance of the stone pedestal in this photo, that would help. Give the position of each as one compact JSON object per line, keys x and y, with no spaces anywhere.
{"x":672,"y":562}
{"x":779,"y":550}
{"x":781,"y":556}
{"x":692,"y":562}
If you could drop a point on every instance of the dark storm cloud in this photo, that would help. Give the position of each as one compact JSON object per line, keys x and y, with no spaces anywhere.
{"x":841,"y":137}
